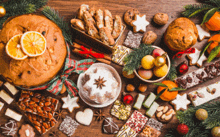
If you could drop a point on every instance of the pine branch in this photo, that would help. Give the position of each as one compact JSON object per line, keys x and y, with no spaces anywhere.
{"x":213,"y":2}
{"x":54,"y":16}
{"x":172,"y":73}
{"x":133,"y":60}
{"x":192,"y":10}
{"x":19,"y":7}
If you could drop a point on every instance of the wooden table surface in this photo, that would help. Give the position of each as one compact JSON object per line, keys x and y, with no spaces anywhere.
{"x":68,"y":9}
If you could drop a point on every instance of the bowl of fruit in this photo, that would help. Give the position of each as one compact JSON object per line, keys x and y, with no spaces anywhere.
{"x":154,"y":67}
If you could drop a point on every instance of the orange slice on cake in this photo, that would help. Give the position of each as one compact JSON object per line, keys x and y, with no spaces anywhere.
{"x":33,"y":43}
{"x":13,"y":48}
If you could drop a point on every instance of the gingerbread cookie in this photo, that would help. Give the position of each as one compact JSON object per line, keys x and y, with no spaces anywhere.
{"x":109,"y":126}
{"x":181,"y":102}
{"x":129,"y":15}
{"x":194,"y":58}
{"x":140,"y":23}
{"x":203,"y":32}
{"x":10,"y":128}
{"x":164,"y":113}
{"x":85,"y":117}
{"x":26,"y":131}
{"x":70,"y":103}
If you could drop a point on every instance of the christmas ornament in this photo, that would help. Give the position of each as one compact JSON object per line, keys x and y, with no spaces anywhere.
{"x":182,"y":68}
{"x":128,"y":99}
{"x":216,"y":132}
{"x":201,"y":114}
{"x":2,"y":11}
{"x":182,"y":129}
{"x":160,"y":60}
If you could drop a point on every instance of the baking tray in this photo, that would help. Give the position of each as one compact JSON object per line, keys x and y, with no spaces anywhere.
{"x":95,"y":41}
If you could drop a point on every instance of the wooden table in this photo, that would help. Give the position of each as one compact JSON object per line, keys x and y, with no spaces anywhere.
{"x":68,"y":9}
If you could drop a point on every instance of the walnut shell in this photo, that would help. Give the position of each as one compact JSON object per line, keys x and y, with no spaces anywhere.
{"x":149,"y":37}
{"x":161,"y":18}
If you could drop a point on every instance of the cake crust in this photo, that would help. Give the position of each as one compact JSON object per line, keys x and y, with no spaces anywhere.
{"x":32,"y":71}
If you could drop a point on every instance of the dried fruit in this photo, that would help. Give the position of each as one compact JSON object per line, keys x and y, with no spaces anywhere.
{"x":142,"y":87}
{"x":130,"y":88}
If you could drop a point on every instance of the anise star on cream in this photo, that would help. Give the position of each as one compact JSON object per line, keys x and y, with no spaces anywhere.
{"x":100,"y":82}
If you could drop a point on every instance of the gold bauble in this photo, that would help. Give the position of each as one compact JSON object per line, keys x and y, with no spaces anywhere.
{"x":2,"y":11}
{"x":160,"y":60}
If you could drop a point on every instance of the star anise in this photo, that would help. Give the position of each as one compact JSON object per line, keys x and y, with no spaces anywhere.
{"x":99,"y":115}
{"x":54,"y":133}
{"x":60,"y":114}
{"x":100,"y":82}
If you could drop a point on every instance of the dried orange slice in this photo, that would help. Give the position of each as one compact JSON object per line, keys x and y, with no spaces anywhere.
{"x":33,"y":43}
{"x":13,"y":48}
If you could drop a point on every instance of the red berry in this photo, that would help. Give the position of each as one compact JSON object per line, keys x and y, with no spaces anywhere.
{"x":182,"y":129}
{"x":128,"y":99}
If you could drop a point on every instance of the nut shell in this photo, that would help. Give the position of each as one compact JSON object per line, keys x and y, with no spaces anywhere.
{"x":161,"y":18}
{"x":149,"y":37}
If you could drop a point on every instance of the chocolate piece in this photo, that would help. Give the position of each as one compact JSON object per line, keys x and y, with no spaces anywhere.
{"x":35,"y":103}
{"x":26,"y":131}
{"x":109,"y":126}
{"x":8,"y":99}
{"x":199,"y":76}
{"x":10,"y":128}
{"x":68,"y":126}
{"x":148,"y":131}
{"x":154,"y":124}
{"x":133,"y":40}
{"x":119,"y":53}
{"x":12,"y":114}
{"x":126,"y":131}
{"x":11,"y":88}
{"x":1,"y":105}
{"x":120,"y":110}
{"x":41,"y":124}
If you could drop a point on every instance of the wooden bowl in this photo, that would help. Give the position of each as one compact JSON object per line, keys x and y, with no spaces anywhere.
{"x":159,"y":79}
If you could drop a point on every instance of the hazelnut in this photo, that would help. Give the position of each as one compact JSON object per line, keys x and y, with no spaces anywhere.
{"x":161,"y":18}
{"x":130,"y":88}
{"x":142,"y":87}
{"x":149,"y":37}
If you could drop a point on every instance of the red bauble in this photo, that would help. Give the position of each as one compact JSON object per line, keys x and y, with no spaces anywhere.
{"x":182,"y":129}
{"x":128,"y":99}
{"x":182,"y":68}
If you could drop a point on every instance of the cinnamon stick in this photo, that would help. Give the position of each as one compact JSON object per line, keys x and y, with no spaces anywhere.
{"x":84,"y":55}
{"x":75,"y":45}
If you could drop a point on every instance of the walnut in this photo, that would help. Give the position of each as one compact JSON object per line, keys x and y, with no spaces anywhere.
{"x":161,"y":18}
{"x":149,"y":37}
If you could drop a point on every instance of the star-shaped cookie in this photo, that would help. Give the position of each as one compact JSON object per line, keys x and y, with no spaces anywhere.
{"x":181,"y":102}
{"x":202,"y":32}
{"x":194,"y":58}
{"x":70,"y":103}
{"x":139,"y":23}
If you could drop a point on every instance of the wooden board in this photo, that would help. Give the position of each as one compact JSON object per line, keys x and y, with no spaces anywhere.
{"x":68,"y":9}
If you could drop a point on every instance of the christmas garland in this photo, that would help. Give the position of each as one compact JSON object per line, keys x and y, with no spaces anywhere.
{"x":19,"y":7}
{"x":196,"y":127}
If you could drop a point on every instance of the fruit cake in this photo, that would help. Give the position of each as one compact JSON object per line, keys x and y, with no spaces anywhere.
{"x":32,"y":71}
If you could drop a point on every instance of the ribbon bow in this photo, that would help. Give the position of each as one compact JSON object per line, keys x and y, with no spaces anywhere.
{"x":55,"y":85}
{"x":179,"y":54}
{"x":89,"y":52}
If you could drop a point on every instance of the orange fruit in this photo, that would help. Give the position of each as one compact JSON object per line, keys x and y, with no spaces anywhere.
{"x":13,"y":48}
{"x":168,"y":95}
{"x":33,"y":43}
{"x":216,"y":40}
{"x":213,"y":23}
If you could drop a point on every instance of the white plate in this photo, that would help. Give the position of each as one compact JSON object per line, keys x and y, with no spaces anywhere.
{"x":115,"y":74}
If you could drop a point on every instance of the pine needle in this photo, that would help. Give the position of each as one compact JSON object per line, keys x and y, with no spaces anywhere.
{"x":54,"y":16}
{"x":195,"y":9}
{"x":172,"y":73}
{"x":19,"y":7}
{"x":133,"y":60}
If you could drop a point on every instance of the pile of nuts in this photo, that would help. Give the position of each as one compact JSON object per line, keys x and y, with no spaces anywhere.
{"x":41,"y":124}
{"x":35,"y":103}
{"x":164,"y":114}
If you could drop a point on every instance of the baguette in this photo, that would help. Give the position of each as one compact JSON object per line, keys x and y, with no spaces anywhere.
{"x":117,"y":27}
{"x":108,"y":20}
{"x":99,"y":18}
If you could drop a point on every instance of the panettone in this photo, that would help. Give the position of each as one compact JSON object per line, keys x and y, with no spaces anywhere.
{"x":181,"y":34}
{"x":32,"y":71}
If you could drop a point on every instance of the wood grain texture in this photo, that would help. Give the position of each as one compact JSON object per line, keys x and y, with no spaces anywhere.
{"x":68,"y":9}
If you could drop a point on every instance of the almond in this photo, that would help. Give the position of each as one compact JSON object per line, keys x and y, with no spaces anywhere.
{"x":160,"y":108}
{"x":159,"y":114}
{"x":168,"y":117}
{"x":163,"y":116}
{"x":169,"y":112}
{"x":165,"y":109}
